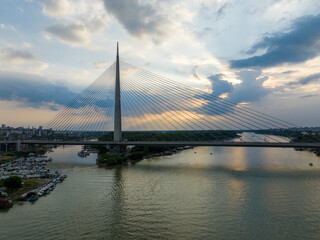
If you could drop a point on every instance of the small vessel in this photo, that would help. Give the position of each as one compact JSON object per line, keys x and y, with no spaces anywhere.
{"x":33,"y":198}
{"x":4,"y":194}
{"x":311,"y":164}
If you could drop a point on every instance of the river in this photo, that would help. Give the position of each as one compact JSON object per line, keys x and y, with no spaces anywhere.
{"x":200,"y":193}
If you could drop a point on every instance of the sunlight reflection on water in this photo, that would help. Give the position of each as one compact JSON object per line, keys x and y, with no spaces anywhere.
{"x":235,"y":193}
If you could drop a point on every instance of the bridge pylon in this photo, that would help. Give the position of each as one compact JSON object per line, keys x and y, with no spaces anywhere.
{"x":117,"y":136}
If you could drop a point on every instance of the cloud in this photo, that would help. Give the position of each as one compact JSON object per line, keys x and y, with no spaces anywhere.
{"x":137,"y":18}
{"x":77,"y":22}
{"x":33,"y":90}
{"x":77,"y":33}
{"x":194,"y":73}
{"x":221,"y":10}
{"x":7,"y":27}
{"x":69,"y":33}
{"x":298,"y":45}
{"x":309,"y":96}
{"x":219,"y":85}
{"x":251,"y":88}
{"x":17,"y":56}
{"x":102,"y":65}
{"x":55,"y":8}
{"x":306,"y":80}
{"x":27,"y":45}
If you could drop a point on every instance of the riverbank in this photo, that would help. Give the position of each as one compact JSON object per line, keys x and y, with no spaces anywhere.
{"x":108,"y":157}
{"x":135,"y":154}
{"x":8,"y":196}
{"x":31,"y":190}
{"x":31,"y":170}
{"x":28,"y":184}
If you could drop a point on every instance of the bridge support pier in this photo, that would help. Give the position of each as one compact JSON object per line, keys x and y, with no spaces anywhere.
{"x":18,"y":146}
{"x":116,"y":149}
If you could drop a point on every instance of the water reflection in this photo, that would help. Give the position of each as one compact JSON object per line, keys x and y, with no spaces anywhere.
{"x":253,"y":137}
{"x":235,"y":193}
{"x":239,"y":162}
{"x":118,"y":215}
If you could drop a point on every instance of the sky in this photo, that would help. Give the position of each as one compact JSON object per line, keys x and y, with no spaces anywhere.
{"x":264,"y":54}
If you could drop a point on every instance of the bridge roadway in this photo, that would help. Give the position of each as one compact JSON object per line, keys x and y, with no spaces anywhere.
{"x":173,"y":143}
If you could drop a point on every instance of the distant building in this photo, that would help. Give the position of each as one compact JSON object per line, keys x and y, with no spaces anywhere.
{"x":40,"y":131}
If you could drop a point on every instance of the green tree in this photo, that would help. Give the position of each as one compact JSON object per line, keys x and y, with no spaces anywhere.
{"x":13,"y":182}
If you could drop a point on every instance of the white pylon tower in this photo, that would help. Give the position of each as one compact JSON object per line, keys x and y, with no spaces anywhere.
{"x":117,"y":137}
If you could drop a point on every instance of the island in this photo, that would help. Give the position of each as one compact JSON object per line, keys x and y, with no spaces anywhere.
{"x":109,"y":157}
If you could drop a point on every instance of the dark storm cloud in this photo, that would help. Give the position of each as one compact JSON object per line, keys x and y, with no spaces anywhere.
{"x":306,"y":80}
{"x":251,"y":89}
{"x":309,"y":96}
{"x":309,"y":79}
{"x":219,"y":85}
{"x":298,"y":45}
{"x":137,"y":18}
{"x":288,"y":72}
{"x":32,"y":90}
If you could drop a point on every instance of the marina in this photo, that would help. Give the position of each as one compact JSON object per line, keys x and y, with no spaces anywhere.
{"x":37,"y":179}
{"x":42,"y":190}
{"x":26,"y":167}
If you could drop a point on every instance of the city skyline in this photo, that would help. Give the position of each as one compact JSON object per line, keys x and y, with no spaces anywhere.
{"x":264,"y":55}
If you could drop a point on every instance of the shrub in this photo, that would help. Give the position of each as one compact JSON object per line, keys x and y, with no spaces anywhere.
{"x":137,"y":155}
{"x":111,"y":159}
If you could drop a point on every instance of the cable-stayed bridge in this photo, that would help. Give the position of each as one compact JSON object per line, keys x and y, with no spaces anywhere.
{"x":128,"y":99}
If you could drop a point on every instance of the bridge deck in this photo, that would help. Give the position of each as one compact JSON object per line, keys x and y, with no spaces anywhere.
{"x":173,"y":143}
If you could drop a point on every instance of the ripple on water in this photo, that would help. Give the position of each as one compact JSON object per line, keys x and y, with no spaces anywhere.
{"x":232,"y":194}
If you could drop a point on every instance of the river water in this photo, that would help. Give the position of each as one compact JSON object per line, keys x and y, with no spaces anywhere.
{"x":200,"y":193}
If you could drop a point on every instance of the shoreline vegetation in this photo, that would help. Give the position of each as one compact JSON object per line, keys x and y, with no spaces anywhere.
{"x":135,"y":154}
{"x":108,"y":158}
{"x":14,"y":193}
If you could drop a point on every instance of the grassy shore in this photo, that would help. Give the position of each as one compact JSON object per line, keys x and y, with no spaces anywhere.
{"x":134,"y":155}
{"x":6,"y":158}
{"x":29,"y":184}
